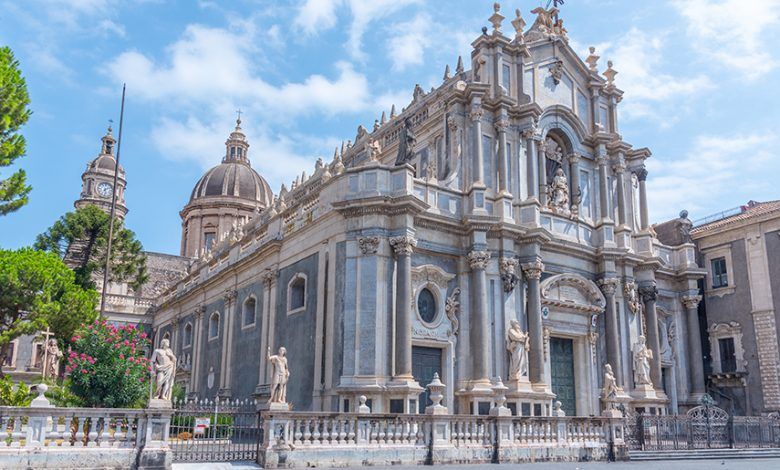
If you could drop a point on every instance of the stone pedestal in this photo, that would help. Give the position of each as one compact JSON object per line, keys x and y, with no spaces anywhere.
{"x":159,"y":404}
{"x":272,"y":406}
{"x":404,"y":389}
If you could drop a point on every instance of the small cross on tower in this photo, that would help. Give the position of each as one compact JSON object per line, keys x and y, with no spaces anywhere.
{"x":238,"y":121}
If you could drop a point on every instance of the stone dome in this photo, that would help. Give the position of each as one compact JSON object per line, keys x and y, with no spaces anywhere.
{"x":106,"y":162}
{"x":233,"y":179}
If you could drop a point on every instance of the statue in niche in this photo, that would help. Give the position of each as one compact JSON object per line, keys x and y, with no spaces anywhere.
{"x":406,"y":143}
{"x":51,"y":366}
{"x":517,"y":344}
{"x":610,"y":388}
{"x":279,"y":375}
{"x":559,"y":192}
{"x":642,"y":357}
{"x":164,"y":366}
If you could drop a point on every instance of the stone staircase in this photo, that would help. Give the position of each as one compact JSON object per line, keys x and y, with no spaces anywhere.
{"x":704,"y":454}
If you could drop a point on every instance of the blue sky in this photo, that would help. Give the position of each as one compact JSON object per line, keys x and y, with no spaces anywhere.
{"x":700,"y":79}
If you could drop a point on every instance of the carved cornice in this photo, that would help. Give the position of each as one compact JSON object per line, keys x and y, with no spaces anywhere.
{"x":368,"y":245}
{"x":691,"y":302}
{"x":478,"y":259}
{"x":533,"y":270}
{"x":648,"y":292}
{"x":403,"y":245}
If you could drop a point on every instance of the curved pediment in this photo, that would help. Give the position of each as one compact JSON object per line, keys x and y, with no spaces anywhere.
{"x":573,"y":291}
{"x":431,"y":274}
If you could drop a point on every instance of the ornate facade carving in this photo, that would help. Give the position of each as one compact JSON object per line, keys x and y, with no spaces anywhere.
{"x":648,"y":292}
{"x":533,"y":270}
{"x":478,"y":259}
{"x":508,"y":269}
{"x":609,"y":285}
{"x":691,"y":302}
{"x":432,"y":274}
{"x":403,"y":245}
{"x":632,"y":297}
{"x":229,"y":296}
{"x":368,"y":245}
{"x":573,"y":291}
{"x":452,"y":310}
{"x":726,"y":330}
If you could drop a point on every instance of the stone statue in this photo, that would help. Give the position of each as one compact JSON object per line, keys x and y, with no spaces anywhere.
{"x":406,"y":142}
{"x":642,"y":356}
{"x":610,"y":388}
{"x":53,"y":356}
{"x":544,"y":20}
{"x":164,"y":366}
{"x":685,"y":225}
{"x":279,"y":376}
{"x":559,"y":190}
{"x":518,"y":346}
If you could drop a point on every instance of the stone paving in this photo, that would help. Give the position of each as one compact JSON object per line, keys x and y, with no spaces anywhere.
{"x":718,"y":464}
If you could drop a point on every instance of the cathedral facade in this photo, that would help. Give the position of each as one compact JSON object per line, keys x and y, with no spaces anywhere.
{"x":494,"y":231}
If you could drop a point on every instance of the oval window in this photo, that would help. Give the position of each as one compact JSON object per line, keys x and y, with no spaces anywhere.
{"x":426,"y":305}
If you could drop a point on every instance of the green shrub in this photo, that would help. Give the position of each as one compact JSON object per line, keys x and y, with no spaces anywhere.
{"x":14,"y":396}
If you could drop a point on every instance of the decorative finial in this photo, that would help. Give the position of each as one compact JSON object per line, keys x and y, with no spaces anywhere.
{"x":376,"y":125}
{"x":459,"y":67}
{"x":383,"y":120}
{"x":110,"y":126}
{"x":519,"y":24}
{"x":392,"y":111}
{"x":592,"y":59}
{"x":447,"y":72}
{"x":496,"y":18}
{"x":610,"y":73}
{"x":238,"y":120}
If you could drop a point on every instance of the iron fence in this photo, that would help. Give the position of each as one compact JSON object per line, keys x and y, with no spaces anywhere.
{"x":215,"y":431}
{"x":703,"y":427}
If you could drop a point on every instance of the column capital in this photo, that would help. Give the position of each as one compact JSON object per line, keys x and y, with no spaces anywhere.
{"x":619,"y":167}
{"x":533,"y":270}
{"x":691,"y":302}
{"x":649,"y":292}
{"x":574,"y":157}
{"x":175,"y":321}
{"x":609,"y":285}
{"x":368,"y":245}
{"x":229,"y":296}
{"x":475,"y":114}
{"x":502,"y":124}
{"x":452,"y":123}
{"x":478,"y":259}
{"x":403,"y":245}
{"x":641,"y":173}
{"x":269,"y":277}
{"x":199,"y":311}
{"x":601,"y":160}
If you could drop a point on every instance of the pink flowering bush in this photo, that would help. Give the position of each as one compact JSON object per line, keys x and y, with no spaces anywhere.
{"x":107,"y":365}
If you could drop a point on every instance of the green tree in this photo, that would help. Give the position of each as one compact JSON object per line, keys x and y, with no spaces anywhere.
{"x":14,"y":100}
{"x":38,"y":291}
{"x":108,"y":366}
{"x":80,"y":238}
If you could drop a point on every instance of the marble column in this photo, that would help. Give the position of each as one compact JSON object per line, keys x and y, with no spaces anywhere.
{"x":603,"y":188}
{"x":542,"y":154}
{"x":641,"y":175}
{"x":403,"y":247}
{"x":478,"y":170}
{"x":196,"y":349}
{"x":227,"y":343}
{"x":574,"y":172}
{"x":695,"y":362}
{"x":649,"y":293}
{"x":608,"y":287}
{"x":532,"y":176}
{"x":175,"y":335}
{"x":480,"y":326}
{"x":269,"y":279}
{"x":503,"y":171}
{"x":620,"y":170}
{"x":533,"y":273}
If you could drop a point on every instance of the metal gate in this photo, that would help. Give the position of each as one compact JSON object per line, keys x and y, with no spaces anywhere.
{"x":215,"y":431}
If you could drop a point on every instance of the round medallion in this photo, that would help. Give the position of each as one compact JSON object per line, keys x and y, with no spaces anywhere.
{"x":426,"y":305}
{"x":104,"y":189}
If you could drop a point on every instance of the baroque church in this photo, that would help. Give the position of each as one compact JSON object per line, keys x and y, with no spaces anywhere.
{"x":494,"y":232}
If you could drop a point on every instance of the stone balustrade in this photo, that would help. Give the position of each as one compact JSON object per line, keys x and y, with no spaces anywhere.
{"x":51,"y":437}
{"x":296,"y":439}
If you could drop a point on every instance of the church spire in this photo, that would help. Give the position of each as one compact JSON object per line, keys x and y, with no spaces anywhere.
{"x":236,"y":146}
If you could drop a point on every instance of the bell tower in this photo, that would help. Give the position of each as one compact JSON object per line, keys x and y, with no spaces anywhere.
{"x":97,"y":181}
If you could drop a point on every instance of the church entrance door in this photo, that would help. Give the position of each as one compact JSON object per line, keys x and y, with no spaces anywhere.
{"x":562,"y":373}
{"x":425,"y":363}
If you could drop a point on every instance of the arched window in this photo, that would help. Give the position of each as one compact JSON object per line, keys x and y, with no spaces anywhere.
{"x":187,"y":339}
{"x":426,"y":305}
{"x":214,"y":325}
{"x":296,"y":293}
{"x":248,"y":312}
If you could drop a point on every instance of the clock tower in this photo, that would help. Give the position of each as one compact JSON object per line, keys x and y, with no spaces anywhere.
{"x":97,"y":185}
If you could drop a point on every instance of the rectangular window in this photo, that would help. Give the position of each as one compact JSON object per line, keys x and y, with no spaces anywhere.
{"x":505,"y":77}
{"x":208,"y":240}
{"x":720,"y":277}
{"x":488,"y":167}
{"x":728,"y":360}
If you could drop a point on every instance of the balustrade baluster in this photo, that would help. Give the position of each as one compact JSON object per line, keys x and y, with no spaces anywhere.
{"x":92,"y":431}
{"x":119,"y":435}
{"x":17,"y":434}
{"x":130,"y":435}
{"x":351,"y":430}
{"x":53,"y":433}
{"x":79,"y":438}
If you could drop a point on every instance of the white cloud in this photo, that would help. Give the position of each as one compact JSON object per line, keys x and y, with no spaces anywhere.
{"x":733,"y":32}
{"x":707,"y":174}
{"x":315,"y":16}
{"x":408,"y":43}
{"x":638,"y":59}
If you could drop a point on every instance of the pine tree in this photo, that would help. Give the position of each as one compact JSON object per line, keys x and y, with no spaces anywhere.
{"x":14,"y":100}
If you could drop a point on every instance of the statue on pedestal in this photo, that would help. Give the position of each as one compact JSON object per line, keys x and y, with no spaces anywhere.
{"x":164,"y":366}
{"x":279,"y":375}
{"x":559,"y":192}
{"x":53,"y":355}
{"x":406,"y":142}
{"x":642,"y":356}
{"x":610,"y":388}
{"x":518,"y":346}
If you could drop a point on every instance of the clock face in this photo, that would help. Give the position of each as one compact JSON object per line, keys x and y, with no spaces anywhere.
{"x":105,"y":189}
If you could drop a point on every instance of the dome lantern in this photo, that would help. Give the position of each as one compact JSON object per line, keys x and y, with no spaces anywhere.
{"x":236,"y":146}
